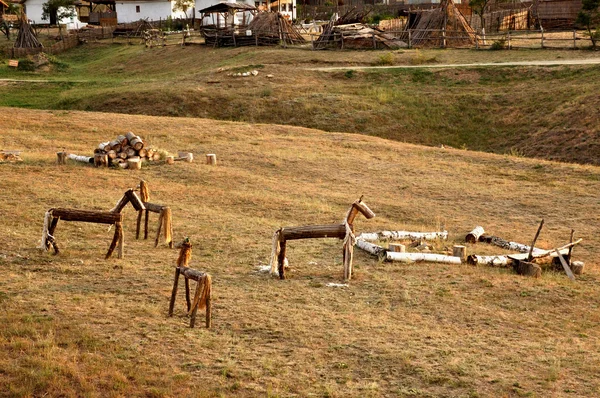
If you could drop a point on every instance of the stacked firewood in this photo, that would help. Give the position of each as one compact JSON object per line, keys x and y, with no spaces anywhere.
{"x":127,"y":147}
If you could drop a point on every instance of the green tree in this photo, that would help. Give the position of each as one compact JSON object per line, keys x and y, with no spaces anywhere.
{"x":56,"y":10}
{"x":589,"y":17}
{"x":479,"y":7}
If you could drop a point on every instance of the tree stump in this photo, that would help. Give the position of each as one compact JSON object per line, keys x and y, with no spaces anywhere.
{"x":397,"y":247}
{"x":460,"y":251}
{"x":100,"y":160}
{"x":473,"y":236}
{"x":134,"y":163}
{"x":170,"y":159}
{"x":211,"y":159}
{"x":61,"y":157}
{"x":187,"y":156}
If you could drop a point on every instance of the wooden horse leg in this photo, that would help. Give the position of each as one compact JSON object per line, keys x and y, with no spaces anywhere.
{"x":139,"y":224}
{"x":187,"y":294}
{"x":146,"y":225}
{"x":208,"y":310}
{"x":174,"y":292}
{"x":347,"y":262}
{"x":121,"y":237}
{"x":113,"y":244}
{"x":195,"y":304}
{"x":281,"y":258}
{"x":51,"y":240}
{"x":160,"y":222}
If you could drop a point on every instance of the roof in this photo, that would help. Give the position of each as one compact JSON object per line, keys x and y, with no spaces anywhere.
{"x":226,"y":7}
{"x":3,"y":2}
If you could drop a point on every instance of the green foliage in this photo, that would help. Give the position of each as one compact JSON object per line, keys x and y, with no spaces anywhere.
{"x":183,"y":5}
{"x":479,"y":7}
{"x":589,"y":17}
{"x":349,"y":74}
{"x":26,"y":65}
{"x":58,"y":9}
{"x":499,"y":44}
{"x":173,"y":25}
{"x":374,"y":19}
{"x":385,"y":59}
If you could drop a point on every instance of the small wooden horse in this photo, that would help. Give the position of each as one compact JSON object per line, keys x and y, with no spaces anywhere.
{"x":202,"y":296}
{"x":344,"y":231}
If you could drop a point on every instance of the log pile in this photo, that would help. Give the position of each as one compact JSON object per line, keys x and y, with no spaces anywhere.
{"x":26,"y":38}
{"x":274,"y":26}
{"x":125,"y":151}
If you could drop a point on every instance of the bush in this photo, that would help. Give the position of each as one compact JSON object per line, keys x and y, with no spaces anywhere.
{"x":499,"y":44}
{"x":26,"y":65}
{"x":385,"y":59}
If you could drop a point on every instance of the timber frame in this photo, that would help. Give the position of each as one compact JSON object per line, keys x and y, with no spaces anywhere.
{"x":344,"y":231}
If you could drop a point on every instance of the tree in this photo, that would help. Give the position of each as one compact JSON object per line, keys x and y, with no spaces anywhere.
{"x":183,"y":6}
{"x":589,"y":17}
{"x":479,"y":7}
{"x":57,"y":10}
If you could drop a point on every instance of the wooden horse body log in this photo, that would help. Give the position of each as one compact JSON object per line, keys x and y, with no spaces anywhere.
{"x":344,"y":231}
{"x":164,"y":219}
{"x":113,"y":217}
{"x":203,"y":293}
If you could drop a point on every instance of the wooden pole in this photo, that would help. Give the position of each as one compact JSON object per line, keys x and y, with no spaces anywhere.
{"x":138,"y":224}
{"x":174,"y":292}
{"x":187,"y":294}
{"x":146,"y":224}
{"x":160,"y":222}
{"x":120,"y":251}
{"x":565,"y":265}
{"x":195,"y":304}
{"x":61,"y":157}
{"x":211,"y":159}
{"x":209,"y":310}
{"x":113,"y":244}
{"x":281,"y":258}
{"x":460,"y":251}
{"x":569,"y":259}
{"x":530,"y":255}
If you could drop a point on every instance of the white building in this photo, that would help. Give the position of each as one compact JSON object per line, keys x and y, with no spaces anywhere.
{"x":153,"y":10}
{"x":34,"y":11}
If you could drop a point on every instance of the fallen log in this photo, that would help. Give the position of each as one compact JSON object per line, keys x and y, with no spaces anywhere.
{"x":314,"y":231}
{"x":473,"y":236}
{"x":399,"y":235}
{"x":427,"y":257}
{"x":508,"y":245}
{"x":370,"y":248}
{"x":99,"y":217}
{"x":505,"y":260}
{"x":83,"y":159}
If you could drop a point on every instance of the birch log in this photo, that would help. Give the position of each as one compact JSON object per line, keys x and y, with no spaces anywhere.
{"x":427,"y":257}
{"x":398,"y":235}
{"x":371,"y":248}
{"x":473,"y":236}
{"x":506,"y":259}
{"x":512,"y":246}
{"x":83,"y":159}
{"x":61,"y":157}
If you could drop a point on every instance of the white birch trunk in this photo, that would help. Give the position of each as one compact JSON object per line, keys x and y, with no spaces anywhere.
{"x":84,"y":159}
{"x":427,"y":257}
{"x":398,"y":235}
{"x":370,"y":248}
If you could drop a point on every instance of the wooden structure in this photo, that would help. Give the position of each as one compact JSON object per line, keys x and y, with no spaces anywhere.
{"x":165,"y":223}
{"x":26,"y":38}
{"x":112,"y":217}
{"x":344,"y":231}
{"x":202,"y":295}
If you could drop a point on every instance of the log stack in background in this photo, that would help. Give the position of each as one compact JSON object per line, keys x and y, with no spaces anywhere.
{"x":124,"y":147}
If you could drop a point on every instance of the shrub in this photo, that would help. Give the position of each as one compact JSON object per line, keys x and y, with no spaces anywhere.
{"x":385,"y":59}
{"x":499,"y":44}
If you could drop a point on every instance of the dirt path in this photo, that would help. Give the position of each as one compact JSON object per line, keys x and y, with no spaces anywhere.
{"x":592,"y":61}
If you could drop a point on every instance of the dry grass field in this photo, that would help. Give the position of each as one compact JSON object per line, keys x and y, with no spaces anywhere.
{"x":75,"y":325}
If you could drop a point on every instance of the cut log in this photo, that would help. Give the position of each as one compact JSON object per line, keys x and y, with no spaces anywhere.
{"x":460,"y":251}
{"x":115,"y":145}
{"x":577,"y":267}
{"x":506,"y":259}
{"x":527,"y":268}
{"x":100,"y":160}
{"x":154,"y":208}
{"x":61,"y":157}
{"x":99,"y":217}
{"x":211,"y":159}
{"x":185,"y":156}
{"x":122,"y":140}
{"x":143,"y":153}
{"x":131,"y":152}
{"x":397,"y":247}
{"x":314,"y":231}
{"x":427,"y":257}
{"x":130,"y":136}
{"x":400,"y":235}
{"x":170,"y":159}
{"x":512,"y":246}
{"x":137,"y":143}
{"x":156,"y":156}
{"x":122,"y":155}
{"x":473,"y":236}
{"x":496,"y":261}
{"x":104,"y":147}
{"x":111,"y":154}
{"x":83,"y":159}
{"x":134,"y":163}
{"x":371,"y":248}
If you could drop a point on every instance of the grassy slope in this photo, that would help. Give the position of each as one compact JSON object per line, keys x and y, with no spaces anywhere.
{"x":76,"y":325}
{"x":549,"y":112}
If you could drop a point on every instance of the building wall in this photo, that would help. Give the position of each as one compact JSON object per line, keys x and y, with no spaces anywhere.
{"x":34,"y":12}
{"x":127,"y":11}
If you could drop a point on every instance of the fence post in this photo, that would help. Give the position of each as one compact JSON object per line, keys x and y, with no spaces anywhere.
{"x":409,"y":39}
{"x":256,"y":37}
{"x":542,"y":29}
{"x":476,"y":41}
{"x":444,"y":37}
{"x":508,"y":36}
{"x":342,"y":40}
{"x":374,"y":44}
{"x":574,"y":38}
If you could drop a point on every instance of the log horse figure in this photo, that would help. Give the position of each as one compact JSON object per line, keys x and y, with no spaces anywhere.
{"x":344,"y":231}
{"x":164,"y":217}
{"x":112,"y":217}
{"x":202,"y":296}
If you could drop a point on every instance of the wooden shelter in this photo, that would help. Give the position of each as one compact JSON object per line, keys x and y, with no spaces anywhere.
{"x":443,"y":26}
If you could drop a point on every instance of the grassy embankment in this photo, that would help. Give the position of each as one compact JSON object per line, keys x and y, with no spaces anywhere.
{"x":76,"y":325}
{"x":546,"y":112}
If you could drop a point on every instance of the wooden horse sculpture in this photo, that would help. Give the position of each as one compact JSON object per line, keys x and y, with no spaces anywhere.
{"x":202,"y":296}
{"x":164,"y":217}
{"x":112,"y":217}
{"x":344,"y":231}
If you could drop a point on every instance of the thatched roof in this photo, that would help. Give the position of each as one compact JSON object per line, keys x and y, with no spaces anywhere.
{"x":227,"y":7}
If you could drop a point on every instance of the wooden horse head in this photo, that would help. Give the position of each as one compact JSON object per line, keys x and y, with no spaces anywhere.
{"x":359,"y":207}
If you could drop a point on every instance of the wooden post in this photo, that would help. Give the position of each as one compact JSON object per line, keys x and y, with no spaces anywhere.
{"x":374,"y":42}
{"x":574,"y":38}
{"x":113,"y":244}
{"x":409,"y":39}
{"x":537,"y":234}
{"x":170,"y":159}
{"x":281,"y":258}
{"x":61,"y":157}
{"x":397,"y":247}
{"x":195,"y":303}
{"x":211,"y":159}
{"x":508,"y":40}
{"x":542,"y":29}
{"x":120,"y":251}
{"x":460,"y":251}
{"x":473,"y":236}
{"x":134,"y":163}
{"x":146,"y":224}
{"x":160,"y":222}
{"x":138,"y":224}
{"x":347,"y":256}
{"x":209,"y":310}
{"x":187,"y":294}
{"x":342,"y":38}
{"x":174,"y":292}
